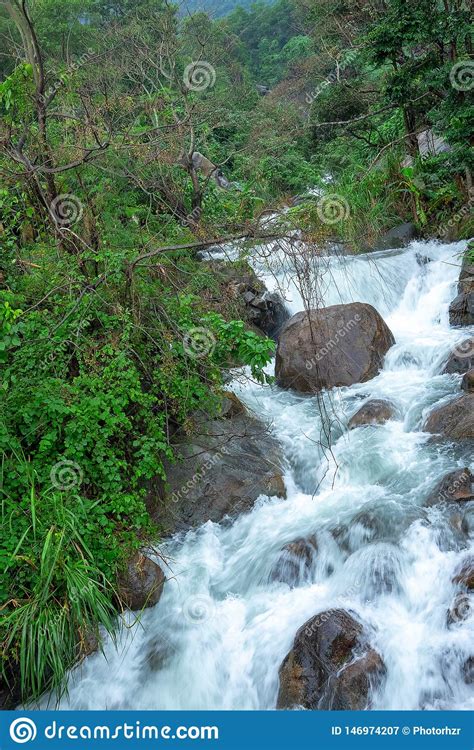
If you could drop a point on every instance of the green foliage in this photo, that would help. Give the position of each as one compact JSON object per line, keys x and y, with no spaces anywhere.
{"x":61,"y":594}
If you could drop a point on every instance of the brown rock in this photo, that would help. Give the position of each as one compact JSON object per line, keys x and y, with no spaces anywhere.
{"x":331,"y":666}
{"x":461,"y":310}
{"x":333,"y":347}
{"x":456,"y":486}
{"x":141,"y":584}
{"x":461,"y":359}
{"x":465,"y":575}
{"x":220,"y":471}
{"x":454,"y":420}
{"x":295,"y":561}
{"x":231,"y":406}
{"x":376,"y":411}
{"x":468,"y":381}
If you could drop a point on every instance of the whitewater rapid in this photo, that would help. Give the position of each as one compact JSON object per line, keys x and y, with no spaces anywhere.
{"x":218,"y":635}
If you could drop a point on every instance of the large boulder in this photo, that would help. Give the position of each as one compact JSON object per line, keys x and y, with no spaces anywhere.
{"x":376,"y":411}
{"x":461,"y":359}
{"x":336,"y":346}
{"x":140,"y":585}
{"x":454,"y":420}
{"x":331,"y":666}
{"x":220,"y":471}
{"x":454,"y":487}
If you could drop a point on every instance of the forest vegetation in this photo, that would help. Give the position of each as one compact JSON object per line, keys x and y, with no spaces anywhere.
{"x":132,"y":136}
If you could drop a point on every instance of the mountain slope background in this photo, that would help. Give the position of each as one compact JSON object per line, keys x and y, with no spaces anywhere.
{"x":217,"y":8}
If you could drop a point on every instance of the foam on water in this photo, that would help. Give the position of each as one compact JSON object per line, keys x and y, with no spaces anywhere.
{"x":223,"y":626}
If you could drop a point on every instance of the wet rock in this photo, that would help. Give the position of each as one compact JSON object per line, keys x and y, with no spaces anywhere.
{"x":376,"y":411}
{"x":336,"y":346}
{"x":141,"y":584}
{"x":269,"y":313}
{"x":220,"y":471}
{"x":465,"y":575}
{"x":263,"y":309}
{"x":455,"y":486}
{"x":364,"y":528}
{"x":399,"y":236}
{"x":454,"y":420}
{"x":88,"y":643}
{"x":468,"y":381}
{"x":460,"y":609}
{"x":295,"y":561}
{"x":422,"y":260}
{"x":461,"y":310}
{"x":231,"y":406}
{"x":468,"y":671}
{"x":331,"y":666}
{"x":466,"y":277}
{"x":159,"y":653}
{"x":461,"y":359}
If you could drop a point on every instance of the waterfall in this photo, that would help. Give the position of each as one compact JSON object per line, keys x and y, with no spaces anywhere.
{"x":218,"y":635}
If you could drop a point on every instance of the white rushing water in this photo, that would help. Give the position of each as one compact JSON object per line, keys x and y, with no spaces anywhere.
{"x":222,"y":627}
